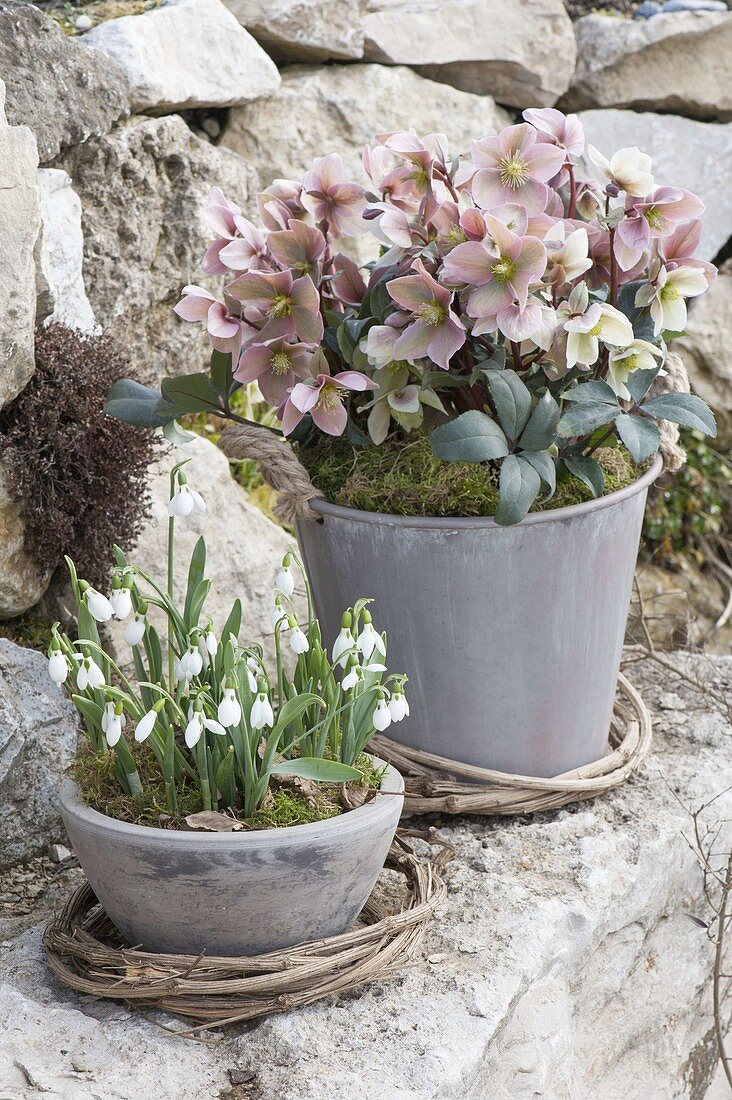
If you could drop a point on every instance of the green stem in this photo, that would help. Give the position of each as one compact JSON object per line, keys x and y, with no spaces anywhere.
{"x":171,"y":542}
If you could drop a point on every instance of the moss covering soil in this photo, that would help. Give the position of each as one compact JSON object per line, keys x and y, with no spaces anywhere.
{"x":406,"y":479}
{"x":289,"y":801}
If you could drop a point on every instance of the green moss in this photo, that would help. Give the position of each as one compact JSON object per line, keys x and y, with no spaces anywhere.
{"x":28,"y":630}
{"x":407,"y":480}
{"x":99,"y":11}
{"x":284,"y":805}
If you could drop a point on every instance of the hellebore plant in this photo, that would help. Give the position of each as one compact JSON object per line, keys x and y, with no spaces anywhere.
{"x":517,"y":312}
{"x":213,"y":714}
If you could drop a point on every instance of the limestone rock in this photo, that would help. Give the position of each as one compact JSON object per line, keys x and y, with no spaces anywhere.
{"x":694,"y":155}
{"x":142,"y":189}
{"x":22,"y":583}
{"x":676,"y":63}
{"x":185,"y":54}
{"x":60,"y":254}
{"x":705,"y":347}
{"x":19,"y":223}
{"x":244,"y":548}
{"x":303,"y":30}
{"x":37,"y":743}
{"x":338,"y":108}
{"x":60,"y":88}
{"x":522,"y":52}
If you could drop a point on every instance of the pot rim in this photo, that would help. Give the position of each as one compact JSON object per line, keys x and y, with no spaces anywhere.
{"x":392,"y":788}
{"x":451,"y":523}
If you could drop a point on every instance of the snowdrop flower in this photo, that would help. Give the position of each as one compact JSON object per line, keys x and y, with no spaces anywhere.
{"x":398,"y":706}
{"x":344,"y":643}
{"x":284,"y":581}
{"x":261,"y":714}
{"x":112,"y":722}
{"x":279,"y":612}
{"x":89,"y":675}
{"x":298,"y":640}
{"x":189,"y":665}
{"x":99,"y":606}
{"x":184,"y":499}
{"x":381,"y":717}
{"x":58,"y":667}
{"x":356,"y":672}
{"x":229,"y":712}
{"x":369,"y":639}
{"x":628,"y":169}
{"x":121,"y":602}
{"x":197,"y":724}
{"x":135,"y":630}
{"x":253,"y":668}
{"x":640,"y":355}
{"x":146,"y":725}
{"x":210,"y":642}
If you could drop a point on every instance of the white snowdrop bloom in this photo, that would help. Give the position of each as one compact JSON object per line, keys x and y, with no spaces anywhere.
{"x":112,"y":724}
{"x":381,"y":716}
{"x":211,"y":643}
{"x":279,"y":612}
{"x":99,"y":606}
{"x":352,"y":677}
{"x":229,"y":710}
{"x":181,"y":503}
{"x":195,"y":663}
{"x":298,"y":640}
{"x":89,"y":675}
{"x":343,"y":646}
{"x":398,"y":706}
{"x":369,"y":639}
{"x":121,"y":601}
{"x":134,"y":632}
{"x":146,"y":725}
{"x":58,"y":667}
{"x":261,"y":713}
{"x":284,"y":581}
{"x":199,"y":504}
{"x":214,"y":727}
{"x":194,"y":729}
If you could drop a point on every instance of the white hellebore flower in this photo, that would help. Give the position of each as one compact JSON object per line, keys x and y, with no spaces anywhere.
{"x":640,"y":355}
{"x":99,"y":606}
{"x":570,"y":258}
{"x":89,"y":675}
{"x":586,"y":325}
{"x":381,"y":716}
{"x":398,"y":706}
{"x":229,"y":712}
{"x":628,"y":169}
{"x":196,"y":725}
{"x":298,"y":639}
{"x":369,"y":639}
{"x":284,"y":581}
{"x":112,"y":724}
{"x":665,"y":295}
{"x":135,"y":630}
{"x":261,"y":713}
{"x":121,"y":601}
{"x":146,"y":725}
{"x":58,"y":667}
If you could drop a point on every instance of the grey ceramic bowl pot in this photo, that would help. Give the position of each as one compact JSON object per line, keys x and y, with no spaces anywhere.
{"x":241,"y":893}
{"x":511,"y":636}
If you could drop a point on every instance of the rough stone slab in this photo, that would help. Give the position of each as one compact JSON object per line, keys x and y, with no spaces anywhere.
{"x":20,"y":220}
{"x":38,"y":734}
{"x":705,"y":348}
{"x":64,"y":91}
{"x":60,"y":254}
{"x":686,"y":153}
{"x":304,"y":30}
{"x":522,"y":52}
{"x":244,"y":548}
{"x":143,"y":188}
{"x":338,"y":108}
{"x":677,"y":62}
{"x":22,"y":582}
{"x":562,"y":965}
{"x":186,"y":54}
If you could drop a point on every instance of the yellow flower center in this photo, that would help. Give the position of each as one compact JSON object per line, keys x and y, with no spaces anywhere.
{"x":455,"y":235}
{"x":281,"y":306}
{"x":281,"y":363}
{"x":596,"y":330}
{"x":330,"y":397}
{"x":654,"y":217}
{"x":669,"y":293}
{"x":432,"y":313}
{"x":630,"y":363}
{"x":513,"y":170}
{"x":503,"y":269}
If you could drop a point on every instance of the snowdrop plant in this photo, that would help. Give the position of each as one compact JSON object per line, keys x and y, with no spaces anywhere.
{"x":518,"y":310}
{"x":212,"y":713}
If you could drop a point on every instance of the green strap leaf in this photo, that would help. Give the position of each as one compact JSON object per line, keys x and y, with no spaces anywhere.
{"x":470,"y":437}
{"x":196,"y":569}
{"x":322,"y":771}
{"x":519,"y":486}
{"x":685,"y":409}
{"x":512,"y":400}
{"x":641,"y":437}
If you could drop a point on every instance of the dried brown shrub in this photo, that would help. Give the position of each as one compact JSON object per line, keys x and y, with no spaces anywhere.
{"x":79,"y":474}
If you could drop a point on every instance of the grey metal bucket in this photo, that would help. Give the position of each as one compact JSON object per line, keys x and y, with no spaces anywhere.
{"x":511,"y":636}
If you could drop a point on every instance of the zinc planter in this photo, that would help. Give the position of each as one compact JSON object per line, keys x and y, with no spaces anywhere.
{"x":511,"y":636}
{"x":241,"y":893}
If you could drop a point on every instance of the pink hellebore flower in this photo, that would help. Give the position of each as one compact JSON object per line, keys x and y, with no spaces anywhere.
{"x":564,"y":131}
{"x":276,"y":366}
{"x":246,"y":251}
{"x":280,"y":204}
{"x":322,"y":397}
{"x":513,"y":167}
{"x":654,"y":217}
{"x":220,"y":214}
{"x":347,"y":282}
{"x":198,"y":304}
{"x":301,"y":248}
{"x":680,"y":248}
{"x":567,"y":256}
{"x":435,"y":331}
{"x":330,"y":199}
{"x":290,"y":307}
